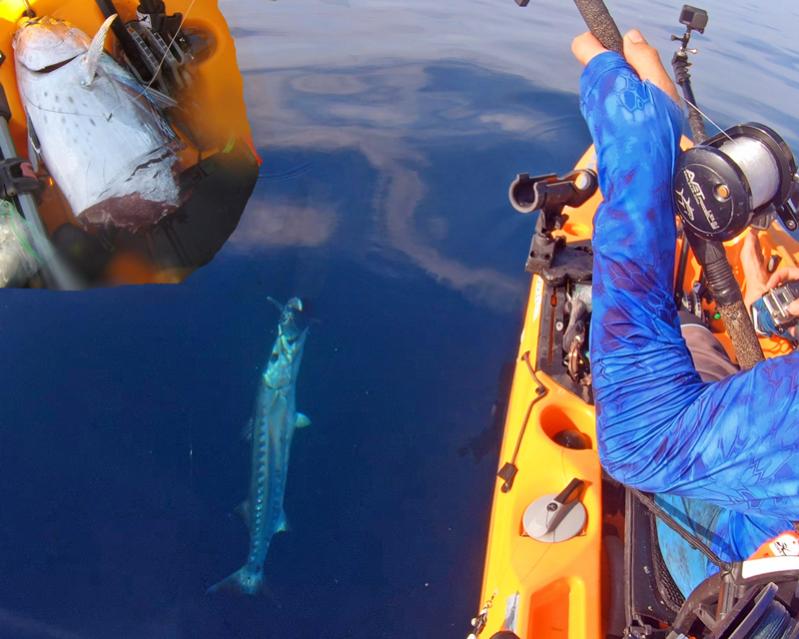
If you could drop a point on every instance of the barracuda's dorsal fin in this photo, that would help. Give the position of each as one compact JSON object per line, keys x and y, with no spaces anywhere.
{"x":92,"y":57}
{"x":302,"y":421}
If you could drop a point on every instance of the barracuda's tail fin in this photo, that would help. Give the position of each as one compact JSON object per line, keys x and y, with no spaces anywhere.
{"x":247,"y":580}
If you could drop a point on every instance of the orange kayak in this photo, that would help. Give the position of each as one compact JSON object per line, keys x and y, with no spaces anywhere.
{"x":573,"y":588}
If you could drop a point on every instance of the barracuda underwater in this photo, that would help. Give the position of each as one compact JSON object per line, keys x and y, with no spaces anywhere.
{"x":271,"y":430}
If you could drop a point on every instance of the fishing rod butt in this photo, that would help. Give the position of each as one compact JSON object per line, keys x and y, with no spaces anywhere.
{"x":724,"y":288}
{"x":739,"y":327}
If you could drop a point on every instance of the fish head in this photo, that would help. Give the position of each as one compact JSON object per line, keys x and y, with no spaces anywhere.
{"x":295,"y":304}
{"x":287,"y":350}
{"x":44,"y":42}
{"x":290,"y":311}
{"x":291,"y":322}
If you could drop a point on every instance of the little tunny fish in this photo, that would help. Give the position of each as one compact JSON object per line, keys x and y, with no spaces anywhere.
{"x":107,"y":147}
{"x":272,"y":428}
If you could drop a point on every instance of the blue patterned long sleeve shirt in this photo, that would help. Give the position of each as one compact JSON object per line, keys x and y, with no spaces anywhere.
{"x":734,"y":443}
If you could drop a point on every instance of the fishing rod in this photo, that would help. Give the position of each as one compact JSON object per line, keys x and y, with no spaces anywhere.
{"x":599,"y":21}
{"x":708,"y":250}
{"x":721,"y":185}
{"x":706,"y":243}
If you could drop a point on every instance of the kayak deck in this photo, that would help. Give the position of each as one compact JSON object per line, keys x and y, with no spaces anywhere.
{"x":563,"y":590}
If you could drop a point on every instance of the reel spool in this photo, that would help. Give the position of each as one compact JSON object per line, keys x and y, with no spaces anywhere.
{"x":723,"y":183}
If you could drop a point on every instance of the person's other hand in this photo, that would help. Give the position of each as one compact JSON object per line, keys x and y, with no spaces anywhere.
{"x":641,"y":56}
{"x":781,"y":276}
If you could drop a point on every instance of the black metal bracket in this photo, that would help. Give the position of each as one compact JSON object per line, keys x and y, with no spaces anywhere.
{"x":543,"y":245}
{"x":507,"y":473}
{"x":13,"y":181}
{"x":549,"y":194}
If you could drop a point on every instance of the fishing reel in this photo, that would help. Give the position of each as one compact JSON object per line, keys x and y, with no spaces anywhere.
{"x":743,"y":175}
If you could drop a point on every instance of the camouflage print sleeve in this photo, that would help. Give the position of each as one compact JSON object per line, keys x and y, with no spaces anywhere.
{"x":734,"y":443}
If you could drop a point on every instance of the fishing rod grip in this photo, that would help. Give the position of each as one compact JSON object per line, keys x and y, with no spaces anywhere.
{"x":601,"y":24}
{"x":725,"y":290}
{"x":742,"y":334}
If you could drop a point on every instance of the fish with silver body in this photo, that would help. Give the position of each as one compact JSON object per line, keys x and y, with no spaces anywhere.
{"x":96,"y":127}
{"x":271,"y":429}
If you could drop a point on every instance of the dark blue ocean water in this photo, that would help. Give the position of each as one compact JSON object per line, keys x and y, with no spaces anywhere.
{"x":389,"y":131}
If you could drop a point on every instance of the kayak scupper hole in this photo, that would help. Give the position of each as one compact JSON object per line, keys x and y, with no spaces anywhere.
{"x":563,"y":428}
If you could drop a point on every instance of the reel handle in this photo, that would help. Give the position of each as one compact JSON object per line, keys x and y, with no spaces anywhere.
{"x":601,"y":24}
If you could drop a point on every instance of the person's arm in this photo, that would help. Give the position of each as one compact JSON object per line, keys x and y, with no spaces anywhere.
{"x":659,"y":427}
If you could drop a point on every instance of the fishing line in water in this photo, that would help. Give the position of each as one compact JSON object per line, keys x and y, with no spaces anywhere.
{"x":191,"y":454}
